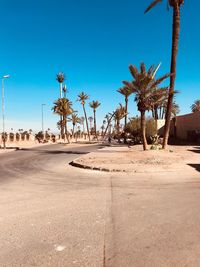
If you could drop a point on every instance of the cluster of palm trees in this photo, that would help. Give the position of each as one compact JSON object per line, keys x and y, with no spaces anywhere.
{"x":145,"y":87}
{"x":149,"y":96}
{"x":63,"y":108}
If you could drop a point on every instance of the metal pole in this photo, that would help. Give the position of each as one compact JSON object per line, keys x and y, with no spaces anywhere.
{"x":3,"y":115}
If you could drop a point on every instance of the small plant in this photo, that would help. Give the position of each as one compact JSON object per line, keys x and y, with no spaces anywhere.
{"x":155,"y":142}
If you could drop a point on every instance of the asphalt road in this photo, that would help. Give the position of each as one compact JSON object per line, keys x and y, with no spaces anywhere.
{"x":52,"y":214}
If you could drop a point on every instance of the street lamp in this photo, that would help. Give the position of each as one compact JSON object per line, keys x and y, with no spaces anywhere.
{"x":3,"y":110}
{"x":43,"y":117}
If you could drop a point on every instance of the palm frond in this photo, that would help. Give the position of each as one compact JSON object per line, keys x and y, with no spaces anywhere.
{"x":154,"y":3}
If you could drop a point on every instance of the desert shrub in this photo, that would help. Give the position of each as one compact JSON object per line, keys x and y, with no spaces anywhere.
{"x":133,"y":129}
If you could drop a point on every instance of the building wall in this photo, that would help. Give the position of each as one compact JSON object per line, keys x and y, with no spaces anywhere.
{"x":185,"y":123}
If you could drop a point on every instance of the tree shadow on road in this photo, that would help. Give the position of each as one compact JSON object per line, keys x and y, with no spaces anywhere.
{"x":54,"y":152}
{"x":195,"y":166}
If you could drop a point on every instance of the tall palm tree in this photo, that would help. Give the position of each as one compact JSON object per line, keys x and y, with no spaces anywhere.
{"x":176,"y":5}
{"x":60,"y":77}
{"x":82,"y":97}
{"x":143,"y":86}
{"x":94,"y":105}
{"x":195,"y":106}
{"x":126,"y":92}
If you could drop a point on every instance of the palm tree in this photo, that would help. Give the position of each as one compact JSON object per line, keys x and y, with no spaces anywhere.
{"x":196,"y":106}
{"x":60,"y":77}
{"x":126,"y":92}
{"x":82,"y":121}
{"x":94,"y":105}
{"x":120,"y":113}
{"x":143,"y":86}
{"x":75,"y":119}
{"x":90,"y":120}
{"x":63,"y":107}
{"x":176,"y":5}
{"x":175,"y":109}
{"x":82,"y":97}
{"x":159,"y":97}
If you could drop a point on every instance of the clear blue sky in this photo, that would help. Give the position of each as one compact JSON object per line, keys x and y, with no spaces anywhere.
{"x":92,"y":42}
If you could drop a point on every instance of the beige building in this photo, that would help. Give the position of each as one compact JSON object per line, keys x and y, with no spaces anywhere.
{"x":184,"y":127}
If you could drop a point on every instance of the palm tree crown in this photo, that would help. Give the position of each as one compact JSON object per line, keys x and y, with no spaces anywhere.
{"x":75,"y":119}
{"x":95,"y":104}
{"x":60,"y":77}
{"x":172,"y":3}
{"x":125,"y":91}
{"x":63,"y":106}
{"x":82,"y":97}
{"x":144,"y":85}
{"x":196,"y":106}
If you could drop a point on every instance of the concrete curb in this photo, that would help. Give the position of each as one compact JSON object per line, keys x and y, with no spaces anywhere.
{"x":76,"y":164}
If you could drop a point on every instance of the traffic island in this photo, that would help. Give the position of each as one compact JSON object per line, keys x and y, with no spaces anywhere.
{"x":134,"y":159}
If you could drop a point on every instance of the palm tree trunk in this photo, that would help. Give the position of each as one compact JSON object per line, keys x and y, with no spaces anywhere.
{"x":126,"y":110}
{"x":86,"y":122}
{"x":109,"y":121}
{"x":156,"y":118}
{"x":73,"y":130}
{"x":118,"y":133}
{"x":125,"y":118}
{"x":160,"y":112}
{"x":143,"y":130}
{"x":60,"y":90}
{"x":66,"y":131}
{"x":175,"y":39}
{"x":95,"y":124}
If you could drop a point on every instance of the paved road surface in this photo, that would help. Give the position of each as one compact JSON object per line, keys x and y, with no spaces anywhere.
{"x":52,"y":214}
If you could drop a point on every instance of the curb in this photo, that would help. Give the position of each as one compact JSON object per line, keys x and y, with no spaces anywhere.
{"x":87,"y":167}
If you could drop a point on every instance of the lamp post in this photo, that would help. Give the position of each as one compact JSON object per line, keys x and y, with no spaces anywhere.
{"x":43,"y":118}
{"x":3,"y":110}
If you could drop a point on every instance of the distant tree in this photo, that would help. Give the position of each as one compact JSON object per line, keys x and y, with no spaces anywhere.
{"x":94,"y":105}
{"x":126,"y":92}
{"x":195,"y":106}
{"x":82,"y":97}
{"x":63,"y":107}
{"x":75,"y":120}
{"x":120,"y":113}
{"x":90,"y":121}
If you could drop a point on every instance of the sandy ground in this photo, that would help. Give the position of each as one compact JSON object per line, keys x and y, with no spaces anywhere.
{"x":134,"y":159}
